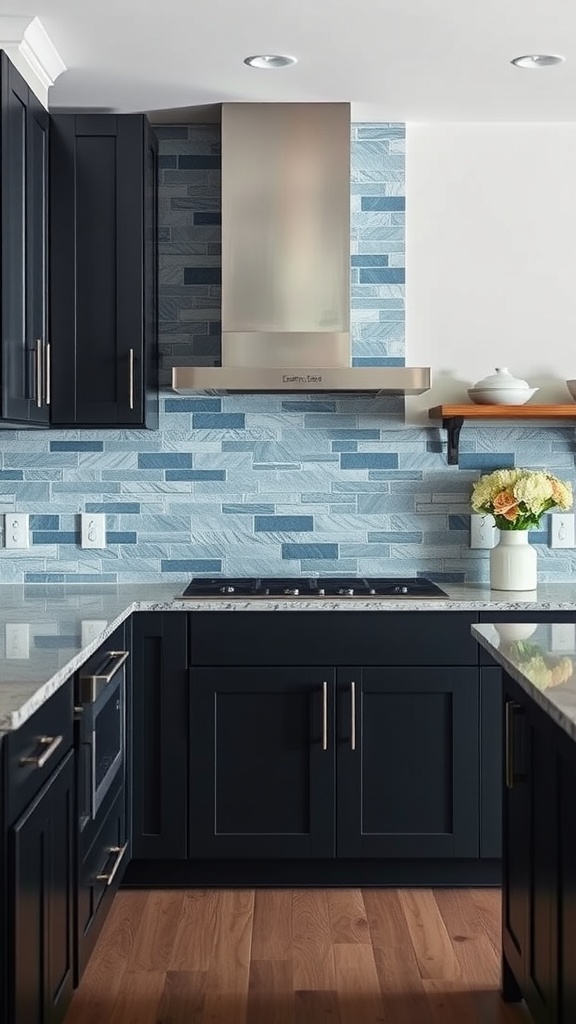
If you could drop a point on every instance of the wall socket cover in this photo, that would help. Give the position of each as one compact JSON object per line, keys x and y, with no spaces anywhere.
{"x":17,"y":639}
{"x":93,"y":530}
{"x":16,"y":530}
{"x":482,"y":531}
{"x":90,"y":629}
{"x":561,"y":530}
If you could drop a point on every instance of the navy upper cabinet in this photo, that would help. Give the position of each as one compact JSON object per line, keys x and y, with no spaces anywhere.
{"x":25,"y":350}
{"x":103,"y":228}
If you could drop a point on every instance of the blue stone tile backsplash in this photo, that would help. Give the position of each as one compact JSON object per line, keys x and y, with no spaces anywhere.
{"x":267,"y":484}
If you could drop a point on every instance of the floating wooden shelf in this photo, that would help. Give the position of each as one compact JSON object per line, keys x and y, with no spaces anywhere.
{"x":453,"y":417}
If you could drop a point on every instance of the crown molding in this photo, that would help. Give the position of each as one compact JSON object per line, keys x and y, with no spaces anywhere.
{"x":30,"y":48}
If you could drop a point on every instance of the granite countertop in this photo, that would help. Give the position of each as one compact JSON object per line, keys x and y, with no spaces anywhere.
{"x":541,"y":657}
{"x":47,"y":632}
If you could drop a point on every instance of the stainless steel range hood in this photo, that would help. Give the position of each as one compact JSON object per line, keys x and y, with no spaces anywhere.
{"x":286,"y":258}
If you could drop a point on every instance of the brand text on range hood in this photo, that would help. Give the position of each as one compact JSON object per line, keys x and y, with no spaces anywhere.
{"x":286,"y":257}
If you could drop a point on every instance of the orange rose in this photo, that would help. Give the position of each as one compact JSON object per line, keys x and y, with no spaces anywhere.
{"x":504,"y":503}
{"x":511,"y":514}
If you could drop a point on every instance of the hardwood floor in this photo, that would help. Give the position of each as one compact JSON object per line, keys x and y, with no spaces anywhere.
{"x":300,"y":956}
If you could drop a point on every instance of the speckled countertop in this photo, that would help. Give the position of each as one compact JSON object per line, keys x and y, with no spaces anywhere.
{"x":47,"y":632}
{"x":541,"y":657}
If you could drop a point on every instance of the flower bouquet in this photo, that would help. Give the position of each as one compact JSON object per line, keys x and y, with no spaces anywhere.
{"x":517,"y":498}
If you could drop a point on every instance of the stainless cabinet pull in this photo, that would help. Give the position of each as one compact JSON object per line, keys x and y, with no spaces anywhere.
{"x":109,"y":876}
{"x":49,"y":743}
{"x":324,"y":715}
{"x":39,"y":373}
{"x":47,"y":368}
{"x":89,"y":684}
{"x":353,"y":715}
{"x":510,"y":708}
{"x":131,"y":382}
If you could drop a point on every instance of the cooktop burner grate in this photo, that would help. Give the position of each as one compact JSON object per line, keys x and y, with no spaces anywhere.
{"x":313,"y":586}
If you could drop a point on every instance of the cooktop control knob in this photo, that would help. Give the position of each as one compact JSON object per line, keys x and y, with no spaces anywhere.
{"x":227,"y":590}
{"x":346,"y":591}
{"x":291,"y":592}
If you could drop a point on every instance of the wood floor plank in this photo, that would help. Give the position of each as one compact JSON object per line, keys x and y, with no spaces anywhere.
{"x":228,"y":973}
{"x":154,"y":943}
{"x":478,"y":963}
{"x":487,"y":905}
{"x":182,"y":1000}
{"x":272,"y":932}
{"x":434,"y":952}
{"x":313,"y":952}
{"x":348,"y":922}
{"x":93,"y":1001}
{"x":271,"y":993}
{"x":317,"y":1007}
{"x":450,"y":1003}
{"x":138,"y":999}
{"x":358,"y":987}
{"x":195,"y":931}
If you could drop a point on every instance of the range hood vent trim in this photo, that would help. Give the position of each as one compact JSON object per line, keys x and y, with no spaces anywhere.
{"x":286,"y":259}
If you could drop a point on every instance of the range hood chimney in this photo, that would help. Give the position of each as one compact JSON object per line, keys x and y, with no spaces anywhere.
{"x":286,"y":258}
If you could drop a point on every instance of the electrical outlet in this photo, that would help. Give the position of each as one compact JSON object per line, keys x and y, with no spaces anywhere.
{"x":482,"y":531}
{"x":17,"y":639}
{"x":16,"y":530}
{"x":93,"y":530}
{"x":561,"y":531}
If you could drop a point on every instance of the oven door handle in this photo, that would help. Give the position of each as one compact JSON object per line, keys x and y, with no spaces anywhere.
{"x":109,"y":876}
{"x":89,"y":684}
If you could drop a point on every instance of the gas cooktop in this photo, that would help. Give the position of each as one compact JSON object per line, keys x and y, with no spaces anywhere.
{"x":314,"y":586}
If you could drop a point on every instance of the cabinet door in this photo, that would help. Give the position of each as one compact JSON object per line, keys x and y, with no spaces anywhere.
{"x":407,"y":766}
{"x":23,"y":164}
{"x":160,"y":735}
{"x":567,"y":891}
{"x":40,"y":891}
{"x":491,"y":762}
{"x":103,"y":280}
{"x":262,"y":762}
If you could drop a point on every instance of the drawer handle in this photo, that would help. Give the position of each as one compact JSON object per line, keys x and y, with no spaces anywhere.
{"x":39,"y":374}
{"x":50,"y":743}
{"x":117,"y":658}
{"x":325,"y":715}
{"x":109,"y":877}
{"x":352,"y":715}
{"x":131,"y":380}
{"x":48,"y":373}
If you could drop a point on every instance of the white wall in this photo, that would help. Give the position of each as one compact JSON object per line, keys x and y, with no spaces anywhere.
{"x":490,"y":256}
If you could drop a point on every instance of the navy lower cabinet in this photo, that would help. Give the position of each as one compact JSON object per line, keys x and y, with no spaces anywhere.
{"x":40,"y":904}
{"x":539,"y":864}
{"x":337,"y":740}
{"x":160,"y":711}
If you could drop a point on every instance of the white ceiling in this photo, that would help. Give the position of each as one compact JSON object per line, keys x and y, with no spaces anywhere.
{"x":405,"y":60}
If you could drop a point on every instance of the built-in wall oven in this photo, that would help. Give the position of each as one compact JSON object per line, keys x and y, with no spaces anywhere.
{"x":101,"y":692}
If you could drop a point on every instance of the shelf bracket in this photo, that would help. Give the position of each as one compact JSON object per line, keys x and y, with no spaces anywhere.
{"x":453,"y":426}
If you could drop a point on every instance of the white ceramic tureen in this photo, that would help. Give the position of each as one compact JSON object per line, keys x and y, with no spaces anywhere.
{"x":501,"y":388}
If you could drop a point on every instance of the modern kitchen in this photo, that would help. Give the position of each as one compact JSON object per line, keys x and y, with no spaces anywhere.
{"x":287,"y":600}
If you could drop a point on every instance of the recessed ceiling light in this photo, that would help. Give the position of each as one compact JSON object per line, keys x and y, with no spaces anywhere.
{"x":538,"y":60}
{"x":271,"y":61}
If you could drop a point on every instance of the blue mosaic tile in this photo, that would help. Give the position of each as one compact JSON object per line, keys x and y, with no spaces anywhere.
{"x":315,"y":551}
{"x":195,"y":474}
{"x":11,"y":474}
{"x":283,"y":524}
{"x":132,"y":508}
{"x":44,"y":522}
{"x":487,"y":461}
{"x":76,"y":446}
{"x":191,"y":565}
{"x":382,"y":275}
{"x":218,"y":421}
{"x":202,"y":275}
{"x":164,"y":460}
{"x":368,"y":460}
{"x":192,"y":405}
{"x":121,"y":537}
{"x":371,"y":203}
{"x":55,"y":537}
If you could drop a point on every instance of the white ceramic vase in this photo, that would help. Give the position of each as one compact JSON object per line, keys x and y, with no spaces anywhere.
{"x":513,"y":562}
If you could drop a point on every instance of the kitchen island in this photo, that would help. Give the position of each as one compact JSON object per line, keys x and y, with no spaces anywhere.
{"x":539,"y":819}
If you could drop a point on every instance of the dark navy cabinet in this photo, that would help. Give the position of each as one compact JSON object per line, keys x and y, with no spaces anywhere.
{"x":25,"y":348}
{"x":103,"y":229}
{"x":159,"y":735}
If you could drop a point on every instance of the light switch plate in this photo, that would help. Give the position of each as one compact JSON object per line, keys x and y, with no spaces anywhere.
{"x":16,"y":530}
{"x":482,"y":531}
{"x":561,"y":530}
{"x":563,"y":637}
{"x":93,"y":530}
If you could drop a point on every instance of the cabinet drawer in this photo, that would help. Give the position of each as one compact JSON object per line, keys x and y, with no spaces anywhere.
{"x":99,"y":877}
{"x":53,"y":721}
{"x":332,"y":638}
